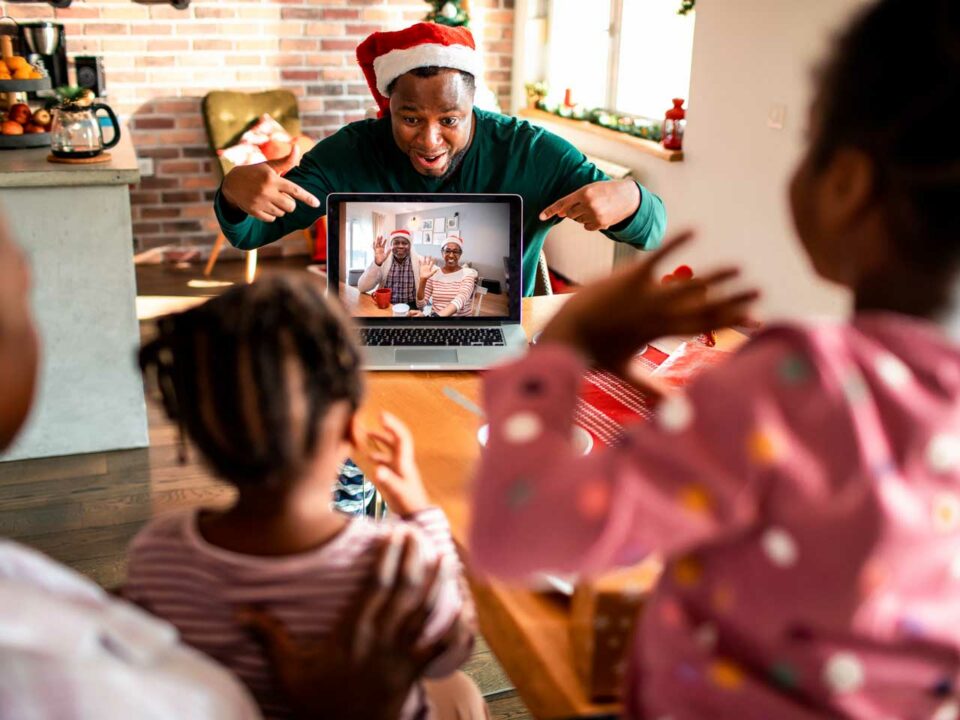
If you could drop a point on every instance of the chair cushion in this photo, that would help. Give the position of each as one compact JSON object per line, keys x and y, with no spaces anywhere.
{"x":229,"y":115}
{"x":265,"y":140}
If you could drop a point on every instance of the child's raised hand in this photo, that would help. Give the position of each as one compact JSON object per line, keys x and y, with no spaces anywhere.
{"x":608,"y":321}
{"x":397,"y":476}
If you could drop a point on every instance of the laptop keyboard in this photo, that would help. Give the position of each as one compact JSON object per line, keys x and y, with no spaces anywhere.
{"x":432,"y":337}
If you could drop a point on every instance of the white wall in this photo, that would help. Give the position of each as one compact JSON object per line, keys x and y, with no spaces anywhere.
{"x":485,"y":229}
{"x":731,"y":187}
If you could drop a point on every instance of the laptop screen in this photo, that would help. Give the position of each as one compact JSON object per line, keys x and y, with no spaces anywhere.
{"x":426,"y":258}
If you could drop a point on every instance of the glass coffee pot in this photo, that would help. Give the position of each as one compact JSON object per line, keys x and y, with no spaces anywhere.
{"x":75,"y":132}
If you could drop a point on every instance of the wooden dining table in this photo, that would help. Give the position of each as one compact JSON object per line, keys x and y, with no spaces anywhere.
{"x":528,"y":631}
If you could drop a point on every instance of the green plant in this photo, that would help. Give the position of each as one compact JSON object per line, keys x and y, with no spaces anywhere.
{"x":687,"y":6}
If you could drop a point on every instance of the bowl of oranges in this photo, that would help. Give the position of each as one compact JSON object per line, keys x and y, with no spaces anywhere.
{"x":17,"y":75}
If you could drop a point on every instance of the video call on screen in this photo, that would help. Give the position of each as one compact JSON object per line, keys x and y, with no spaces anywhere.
{"x":470,"y":278}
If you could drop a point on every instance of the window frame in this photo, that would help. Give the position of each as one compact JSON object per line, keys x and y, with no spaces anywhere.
{"x":615,"y":33}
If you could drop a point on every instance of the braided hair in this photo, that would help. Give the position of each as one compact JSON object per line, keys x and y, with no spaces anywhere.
{"x":892,"y":90}
{"x":250,"y":375}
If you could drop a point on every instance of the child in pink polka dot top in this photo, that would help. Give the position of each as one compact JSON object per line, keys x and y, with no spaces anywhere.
{"x":806,"y":494}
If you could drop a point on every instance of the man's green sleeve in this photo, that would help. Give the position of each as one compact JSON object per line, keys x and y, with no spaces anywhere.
{"x":645,"y":228}
{"x":247,"y":233}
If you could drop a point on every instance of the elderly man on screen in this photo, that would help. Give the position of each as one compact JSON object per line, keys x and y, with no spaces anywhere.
{"x":430,"y":138}
{"x":396,"y":270}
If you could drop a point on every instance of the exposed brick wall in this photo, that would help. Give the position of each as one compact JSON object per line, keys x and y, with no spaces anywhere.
{"x":159,"y":63}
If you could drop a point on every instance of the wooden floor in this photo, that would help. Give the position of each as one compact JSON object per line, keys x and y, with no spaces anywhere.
{"x":84,"y":509}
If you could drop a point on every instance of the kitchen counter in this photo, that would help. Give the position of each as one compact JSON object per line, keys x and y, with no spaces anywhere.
{"x":74,"y":222}
{"x":29,"y":168}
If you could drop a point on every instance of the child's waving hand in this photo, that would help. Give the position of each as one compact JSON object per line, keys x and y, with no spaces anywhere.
{"x":397,"y":476}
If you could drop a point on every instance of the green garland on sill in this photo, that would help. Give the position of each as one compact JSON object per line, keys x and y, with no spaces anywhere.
{"x":638,"y":127}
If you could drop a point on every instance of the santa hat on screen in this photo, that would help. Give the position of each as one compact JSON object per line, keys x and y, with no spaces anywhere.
{"x":385,"y":56}
{"x":455,"y":239}
{"x":402,"y":234}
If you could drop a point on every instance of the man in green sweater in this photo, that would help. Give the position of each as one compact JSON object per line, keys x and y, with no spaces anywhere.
{"x":429,"y":138}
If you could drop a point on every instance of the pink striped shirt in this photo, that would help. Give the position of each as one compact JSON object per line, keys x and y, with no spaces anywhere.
{"x":198,"y":587}
{"x":445,"y":288}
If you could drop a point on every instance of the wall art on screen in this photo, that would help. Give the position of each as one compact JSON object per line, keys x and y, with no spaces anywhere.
{"x":427,"y":224}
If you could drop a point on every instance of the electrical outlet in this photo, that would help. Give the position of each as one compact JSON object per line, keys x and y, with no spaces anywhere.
{"x":146,"y":166}
{"x":777,"y":116}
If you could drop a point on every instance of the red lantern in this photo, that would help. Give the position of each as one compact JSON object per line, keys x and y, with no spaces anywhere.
{"x":674,"y":125}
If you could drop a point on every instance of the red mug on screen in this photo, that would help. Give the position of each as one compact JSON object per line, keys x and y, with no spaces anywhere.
{"x":382,"y":298}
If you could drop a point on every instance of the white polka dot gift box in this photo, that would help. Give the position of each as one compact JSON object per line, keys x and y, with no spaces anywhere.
{"x":604,"y":613}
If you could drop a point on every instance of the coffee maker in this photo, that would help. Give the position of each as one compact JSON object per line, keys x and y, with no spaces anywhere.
{"x":44,"y":44}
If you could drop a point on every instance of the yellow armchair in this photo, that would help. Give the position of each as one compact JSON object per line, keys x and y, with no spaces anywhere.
{"x":226,"y":116}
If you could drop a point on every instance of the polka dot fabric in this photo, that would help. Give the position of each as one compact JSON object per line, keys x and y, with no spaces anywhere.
{"x":777,"y":487}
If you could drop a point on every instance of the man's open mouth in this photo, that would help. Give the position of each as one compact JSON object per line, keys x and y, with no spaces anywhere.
{"x":430,"y":162}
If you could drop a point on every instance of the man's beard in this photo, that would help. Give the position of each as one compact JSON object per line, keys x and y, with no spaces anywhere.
{"x":454,"y":164}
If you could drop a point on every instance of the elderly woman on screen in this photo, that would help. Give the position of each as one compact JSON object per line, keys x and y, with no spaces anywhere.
{"x":449,"y":287}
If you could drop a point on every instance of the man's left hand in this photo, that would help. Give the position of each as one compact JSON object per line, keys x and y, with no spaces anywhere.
{"x":599,"y":205}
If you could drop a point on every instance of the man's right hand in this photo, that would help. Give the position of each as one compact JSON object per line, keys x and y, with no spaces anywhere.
{"x":379,"y":250}
{"x":260,"y":190}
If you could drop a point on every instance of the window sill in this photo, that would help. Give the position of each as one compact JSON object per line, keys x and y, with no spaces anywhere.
{"x":645,"y":146}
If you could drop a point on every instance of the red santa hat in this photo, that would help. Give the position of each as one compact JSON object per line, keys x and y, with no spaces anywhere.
{"x":402,"y":234}
{"x":385,"y":56}
{"x":455,"y":239}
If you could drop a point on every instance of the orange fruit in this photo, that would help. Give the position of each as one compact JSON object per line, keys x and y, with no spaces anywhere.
{"x":15,"y":62}
{"x":11,"y":128}
{"x":22,"y":73}
{"x":36,"y":75}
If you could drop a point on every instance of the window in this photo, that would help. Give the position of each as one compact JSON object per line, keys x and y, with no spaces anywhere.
{"x":360,"y":230}
{"x":631,"y":56}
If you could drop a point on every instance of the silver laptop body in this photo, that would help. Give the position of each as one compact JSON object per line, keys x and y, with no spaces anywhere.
{"x":492,"y":230}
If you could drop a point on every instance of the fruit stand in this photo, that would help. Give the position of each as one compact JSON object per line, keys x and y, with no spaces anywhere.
{"x":21,"y":127}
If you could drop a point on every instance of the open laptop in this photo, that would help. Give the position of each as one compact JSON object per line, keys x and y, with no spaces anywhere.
{"x":486,"y":327}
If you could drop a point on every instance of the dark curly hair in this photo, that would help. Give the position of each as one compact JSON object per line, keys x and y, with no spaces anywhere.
{"x":892,"y":90}
{"x":431,"y":71}
{"x":250,"y":375}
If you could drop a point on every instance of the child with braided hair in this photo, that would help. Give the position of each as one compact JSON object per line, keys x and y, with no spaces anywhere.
{"x":265,"y":381}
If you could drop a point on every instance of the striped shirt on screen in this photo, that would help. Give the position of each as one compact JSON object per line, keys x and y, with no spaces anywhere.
{"x":445,"y":288}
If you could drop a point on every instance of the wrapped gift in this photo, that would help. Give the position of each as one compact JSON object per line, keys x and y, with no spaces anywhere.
{"x":688,"y":361}
{"x":605,"y":611}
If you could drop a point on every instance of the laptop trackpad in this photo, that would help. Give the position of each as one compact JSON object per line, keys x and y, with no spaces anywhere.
{"x":431,"y":356}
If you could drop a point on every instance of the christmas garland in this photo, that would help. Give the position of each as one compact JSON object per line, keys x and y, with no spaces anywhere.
{"x":638,"y":127}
